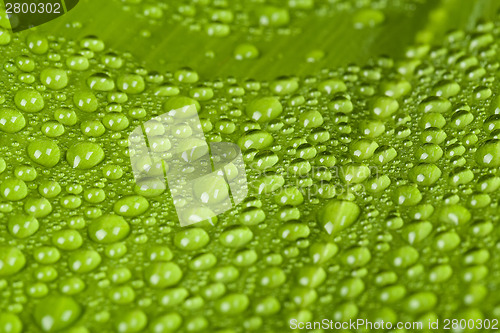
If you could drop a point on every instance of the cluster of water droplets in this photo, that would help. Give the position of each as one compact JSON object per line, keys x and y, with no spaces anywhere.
{"x":257,"y":19}
{"x":373,"y":192}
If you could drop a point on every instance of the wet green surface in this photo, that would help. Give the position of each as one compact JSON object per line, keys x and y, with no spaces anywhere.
{"x":373,"y":180}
